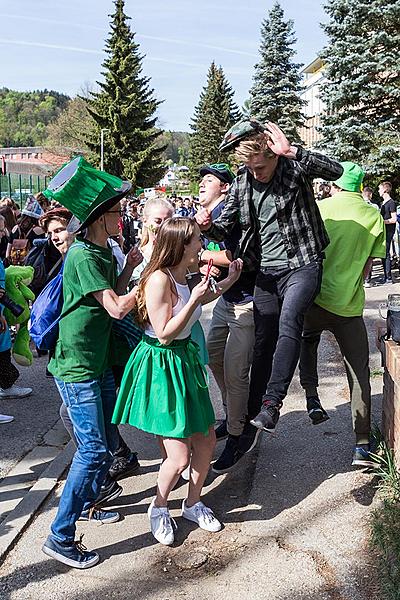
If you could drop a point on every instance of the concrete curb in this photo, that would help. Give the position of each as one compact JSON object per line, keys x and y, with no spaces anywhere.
{"x":18,"y":520}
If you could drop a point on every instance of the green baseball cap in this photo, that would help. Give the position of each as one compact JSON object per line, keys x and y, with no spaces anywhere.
{"x":351,"y":178}
{"x":87,"y":192}
{"x":239,"y":132}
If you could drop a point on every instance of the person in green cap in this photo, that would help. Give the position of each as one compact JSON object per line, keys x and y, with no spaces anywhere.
{"x":85,"y":349}
{"x":357,"y":234}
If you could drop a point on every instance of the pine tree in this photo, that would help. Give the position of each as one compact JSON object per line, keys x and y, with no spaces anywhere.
{"x":275,"y":94}
{"x":214,"y":114}
{"x":125,"y":105}
{"x":362,"y":95}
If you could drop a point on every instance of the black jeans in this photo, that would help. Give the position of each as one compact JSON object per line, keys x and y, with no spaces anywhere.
{"x":281,"y":298}
{"x":351,"y":335}
{"x":386,"y":262}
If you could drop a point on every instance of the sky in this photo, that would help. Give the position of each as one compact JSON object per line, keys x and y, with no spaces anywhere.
{"x":59,"y":45}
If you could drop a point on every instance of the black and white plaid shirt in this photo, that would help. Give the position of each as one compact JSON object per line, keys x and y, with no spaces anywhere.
{"x":302,"y":229}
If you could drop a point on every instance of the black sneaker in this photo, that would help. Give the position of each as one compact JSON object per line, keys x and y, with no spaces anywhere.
{"x":109,"y":491}
{"x":268,"y":416}
{"x":229,"y":456}
{"x":73,"y":555}
{"x":124,"y":466}
{"x":315,"y":410}
{"x":363,"y":458}
{"x":221,"y":432}
{"x":248,"y":439}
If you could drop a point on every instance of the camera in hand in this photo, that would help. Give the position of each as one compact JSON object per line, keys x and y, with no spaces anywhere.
{"x":12,"y":306}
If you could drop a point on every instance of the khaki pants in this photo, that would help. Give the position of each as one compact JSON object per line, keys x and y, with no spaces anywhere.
{"x":230,"y":345}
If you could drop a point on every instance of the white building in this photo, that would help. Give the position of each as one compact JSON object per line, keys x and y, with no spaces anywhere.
{"x":313,"y":79}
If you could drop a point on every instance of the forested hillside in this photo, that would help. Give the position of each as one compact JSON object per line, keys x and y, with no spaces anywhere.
{"x":24,"y":116}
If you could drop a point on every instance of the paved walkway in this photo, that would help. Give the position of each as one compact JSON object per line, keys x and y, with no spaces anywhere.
{"x":295,"y":514}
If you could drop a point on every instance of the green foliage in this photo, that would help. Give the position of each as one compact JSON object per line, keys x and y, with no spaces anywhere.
{"x":125,"y":105}
{"x":386,"y":542}
{"x":362,"y":95}
{"x":24,"y":116}
{"x":275,"y":94}
{"x":214,"y":114}
{"x":177,"y":147}
{"x":385,"y":524}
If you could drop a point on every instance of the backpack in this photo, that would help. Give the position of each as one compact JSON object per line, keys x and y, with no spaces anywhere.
{"x":19,"y":251}
{"x":37,"y":258}
{"x":19,"y":248}
{"x":46,"y":311}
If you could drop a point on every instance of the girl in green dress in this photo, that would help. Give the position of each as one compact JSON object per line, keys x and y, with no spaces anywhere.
{"x":164,"y":389}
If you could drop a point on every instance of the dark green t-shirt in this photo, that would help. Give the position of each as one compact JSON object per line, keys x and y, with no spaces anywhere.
{"x":85,"y":343}
{"x":273,"y":252}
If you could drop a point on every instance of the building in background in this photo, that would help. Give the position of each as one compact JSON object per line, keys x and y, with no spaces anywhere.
{"x":25,"y":170}
{"x":313,"y":79}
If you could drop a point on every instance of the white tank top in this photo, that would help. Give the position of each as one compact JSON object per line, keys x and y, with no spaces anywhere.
{"x":183,"y":293}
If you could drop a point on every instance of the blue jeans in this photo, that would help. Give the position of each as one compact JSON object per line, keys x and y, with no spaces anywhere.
{"x":282,"y":296}
{"x":90,"y":406}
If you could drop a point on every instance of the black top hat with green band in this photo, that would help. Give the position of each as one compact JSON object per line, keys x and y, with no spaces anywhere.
{"x":240,"y":131}
{"x":87,"y":192}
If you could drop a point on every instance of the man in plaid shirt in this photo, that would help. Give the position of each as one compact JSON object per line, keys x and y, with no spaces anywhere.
{"x":283,"y":238}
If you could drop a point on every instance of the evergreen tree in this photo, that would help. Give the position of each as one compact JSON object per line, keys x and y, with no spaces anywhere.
{"x":125,"y":105}
{"x":275,"y":94}
{"x":215,"y":113}
{"x":362,"y":95}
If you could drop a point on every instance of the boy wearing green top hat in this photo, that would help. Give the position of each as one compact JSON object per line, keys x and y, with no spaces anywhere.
{"x":357,"y":234}
{"x":84,"y":352}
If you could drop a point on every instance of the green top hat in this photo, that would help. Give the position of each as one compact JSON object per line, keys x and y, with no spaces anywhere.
{"x":351,"y":178}
{"x":87,"y":192}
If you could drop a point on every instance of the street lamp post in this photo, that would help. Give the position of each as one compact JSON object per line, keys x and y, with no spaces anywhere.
{"x":102,"y":148}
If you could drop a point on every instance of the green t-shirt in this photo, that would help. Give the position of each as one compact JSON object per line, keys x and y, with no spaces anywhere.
{"x":273,"y":252}
{"x":85,"y":343}
{"x":356,"y":232}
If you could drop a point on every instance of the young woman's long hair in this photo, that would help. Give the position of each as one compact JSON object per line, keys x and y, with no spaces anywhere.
{"x":172,"y":237}
{"x":148,"y":207}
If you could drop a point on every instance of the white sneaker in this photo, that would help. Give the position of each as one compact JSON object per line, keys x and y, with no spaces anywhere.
{"x":6,"y":419}
{"x":15,"y":392}
{"x":186,"y":473}
{"x":161,"y":524}
{"x":202,"y":515}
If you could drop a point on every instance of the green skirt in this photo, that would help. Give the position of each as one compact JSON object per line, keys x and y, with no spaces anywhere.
{"x":164,"y":390}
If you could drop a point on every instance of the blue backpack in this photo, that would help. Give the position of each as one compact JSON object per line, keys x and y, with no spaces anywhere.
{"x":46,"y":311}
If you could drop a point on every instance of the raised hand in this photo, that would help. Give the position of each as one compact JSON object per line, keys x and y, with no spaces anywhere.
{"x":278,"y":142}
{"x":134,"y":257}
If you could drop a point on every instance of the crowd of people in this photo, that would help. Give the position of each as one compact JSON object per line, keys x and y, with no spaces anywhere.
{"x":130,"y":346}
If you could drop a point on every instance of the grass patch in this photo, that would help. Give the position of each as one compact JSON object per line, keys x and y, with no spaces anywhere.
{"x":385,"y":524}
{"x":377,"y":372}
